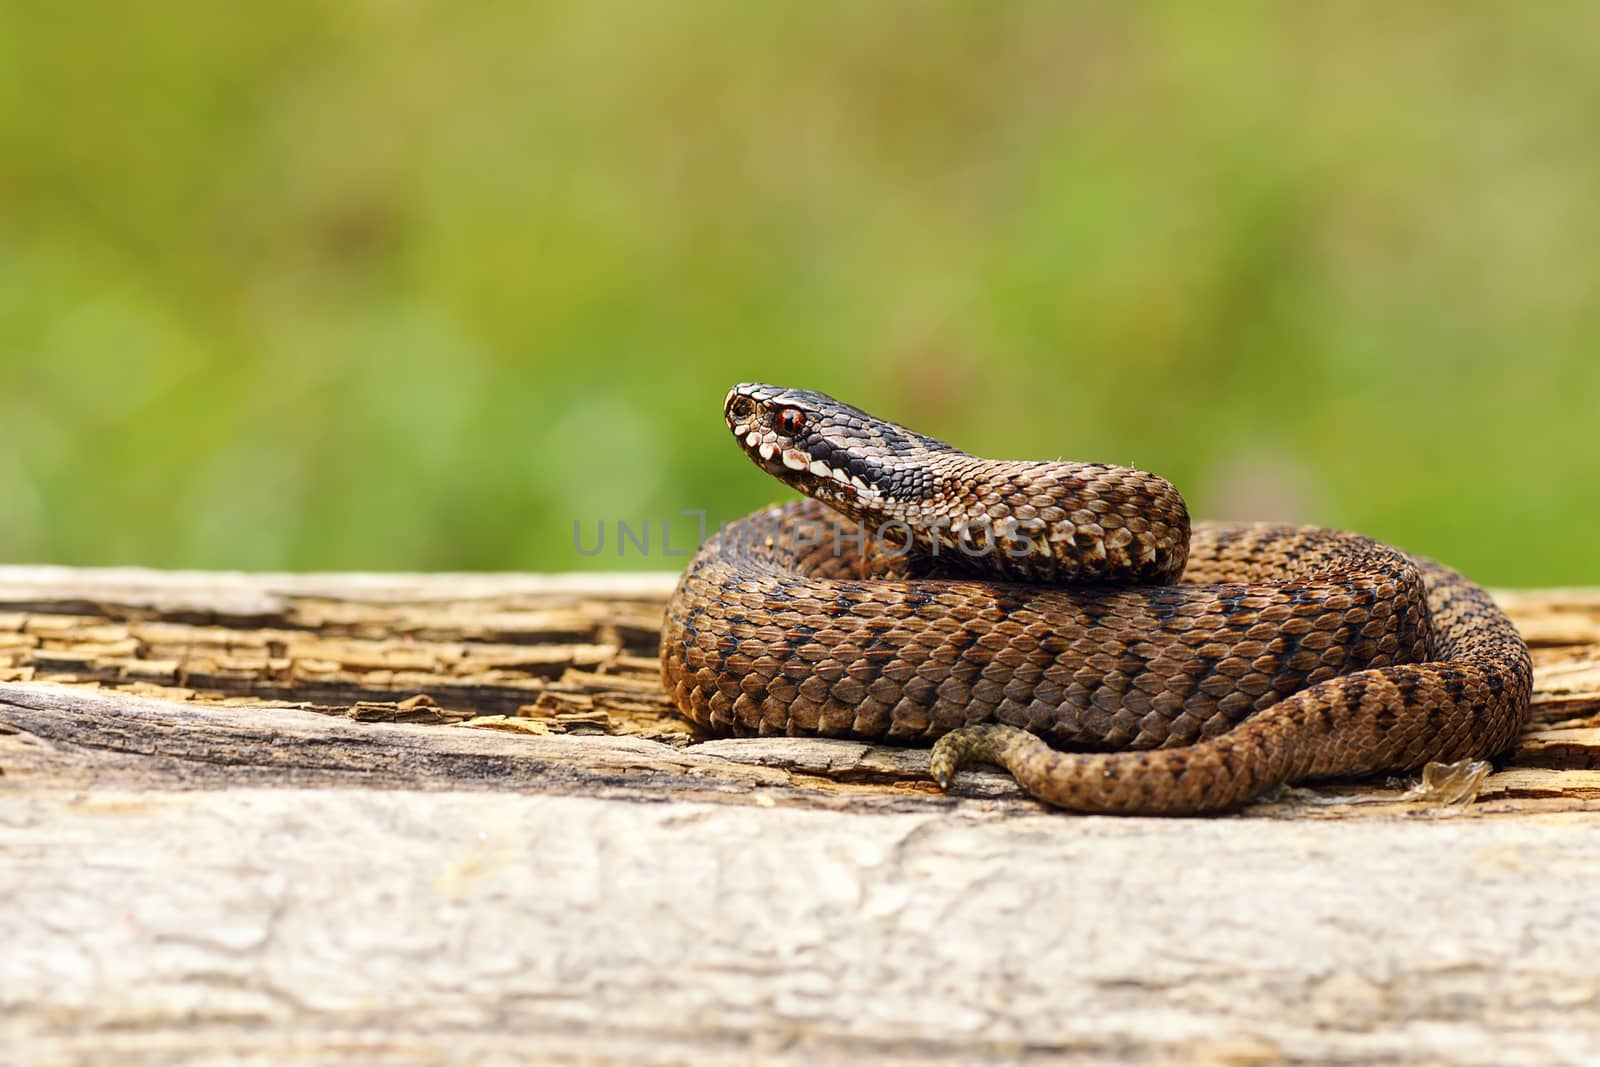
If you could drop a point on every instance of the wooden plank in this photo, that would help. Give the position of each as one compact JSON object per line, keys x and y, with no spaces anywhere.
{"x":355,"y":819}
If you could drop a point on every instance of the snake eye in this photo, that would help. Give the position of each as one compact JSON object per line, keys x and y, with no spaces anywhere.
{"x":791,"y":421}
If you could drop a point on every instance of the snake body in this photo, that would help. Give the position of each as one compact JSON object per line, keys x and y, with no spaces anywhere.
{"x":1067,"y":622}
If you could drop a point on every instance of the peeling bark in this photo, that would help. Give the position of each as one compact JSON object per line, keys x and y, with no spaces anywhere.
{"x":355,"y":819}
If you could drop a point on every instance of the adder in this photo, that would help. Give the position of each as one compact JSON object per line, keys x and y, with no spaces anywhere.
{"x":1067,"y":622}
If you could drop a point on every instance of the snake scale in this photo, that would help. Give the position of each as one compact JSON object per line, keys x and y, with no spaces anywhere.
{"x":1066,"y":622}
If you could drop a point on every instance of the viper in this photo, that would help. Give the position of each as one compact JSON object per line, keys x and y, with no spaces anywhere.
{"x":1068,"y":622}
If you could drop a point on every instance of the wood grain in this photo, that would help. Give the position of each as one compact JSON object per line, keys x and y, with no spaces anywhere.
{"x":358,"y":818}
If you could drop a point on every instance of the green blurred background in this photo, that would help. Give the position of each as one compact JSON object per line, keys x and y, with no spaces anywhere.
{"x":415,"y":285}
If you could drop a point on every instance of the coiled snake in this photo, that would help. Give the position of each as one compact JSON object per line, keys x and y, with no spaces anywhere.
{"x":1015,"y":609}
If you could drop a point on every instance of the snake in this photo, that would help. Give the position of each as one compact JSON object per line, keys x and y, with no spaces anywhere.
{"x":1068,"y":623}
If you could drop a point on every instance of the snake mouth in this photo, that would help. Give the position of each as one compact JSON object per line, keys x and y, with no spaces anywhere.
{"x":804,"y":439}
{"x":784,"y":462}
{"x":773,"y":466}
{"x":794,"y":466}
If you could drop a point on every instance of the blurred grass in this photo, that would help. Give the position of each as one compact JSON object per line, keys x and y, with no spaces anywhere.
{"x":416,"y":285}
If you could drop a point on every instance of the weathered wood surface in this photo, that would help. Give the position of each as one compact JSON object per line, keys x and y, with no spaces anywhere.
{"x":368,"y":819}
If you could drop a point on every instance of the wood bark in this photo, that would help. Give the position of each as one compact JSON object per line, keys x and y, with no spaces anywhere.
{"x":358,"y":819}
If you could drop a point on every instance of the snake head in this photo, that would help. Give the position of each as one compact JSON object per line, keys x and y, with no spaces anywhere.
{"x":827,"y":449}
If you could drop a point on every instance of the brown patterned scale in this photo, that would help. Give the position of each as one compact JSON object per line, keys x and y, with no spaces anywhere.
{"x":1015,"y":610}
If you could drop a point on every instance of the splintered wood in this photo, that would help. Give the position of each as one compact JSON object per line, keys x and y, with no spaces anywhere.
{"x":536,"y":663}
{"x":578,"y":657}
{"x":359,"y":819}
